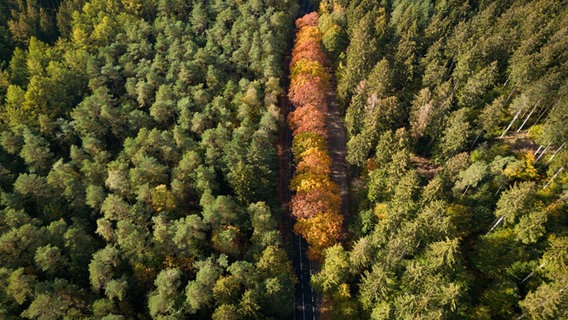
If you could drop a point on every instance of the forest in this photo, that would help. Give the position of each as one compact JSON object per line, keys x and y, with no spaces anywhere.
{"x":139,"y":159}
{"x":140,"y":144}
{"x":456,"y":114}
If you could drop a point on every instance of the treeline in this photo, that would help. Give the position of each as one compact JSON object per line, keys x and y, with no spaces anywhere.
{"x":456,"y":120}
{"x":316,"y":199}
{"x":138,"y":161}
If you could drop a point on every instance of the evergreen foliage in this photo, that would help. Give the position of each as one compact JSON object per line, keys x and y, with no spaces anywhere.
{"x":455,"y":117}
{"x":138,"y":159}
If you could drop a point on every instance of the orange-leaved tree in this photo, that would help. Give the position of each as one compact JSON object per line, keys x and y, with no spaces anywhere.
{"x":320,"y":231}
{"x":307,"y":49}
{"x":306,"y":88}
{"x":306,"y":204}
{"x":314,"y":160}
{"x":316,"y":200}
{"x":308,"y":118}
{"x":310,"y":19}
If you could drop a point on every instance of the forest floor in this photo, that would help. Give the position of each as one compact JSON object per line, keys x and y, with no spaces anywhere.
{"x":520,"y":142}
{"x":425,"y":167}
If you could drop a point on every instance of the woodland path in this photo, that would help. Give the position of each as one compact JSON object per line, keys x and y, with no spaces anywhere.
{"x":337,"y":142}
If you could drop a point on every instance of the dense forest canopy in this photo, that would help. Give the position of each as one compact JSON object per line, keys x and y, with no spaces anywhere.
{"x":456,"y":116}
{"x":139,"y":160}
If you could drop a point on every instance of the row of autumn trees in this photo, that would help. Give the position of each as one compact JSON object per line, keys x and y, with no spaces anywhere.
{"x":316,"y":199}
{"x":455,"y":114}
{"x":138,"y":159}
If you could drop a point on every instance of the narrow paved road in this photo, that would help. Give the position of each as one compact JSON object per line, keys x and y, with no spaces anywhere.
{"x":337,"y":142}
{"x":306,"y":302}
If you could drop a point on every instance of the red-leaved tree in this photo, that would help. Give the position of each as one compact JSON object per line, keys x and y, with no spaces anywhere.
{"x":310,"y":19}
{"x":308,"y":118}
{"x":308,"y":89}
{"x":317,"y":200}
{"x":306,"y":204}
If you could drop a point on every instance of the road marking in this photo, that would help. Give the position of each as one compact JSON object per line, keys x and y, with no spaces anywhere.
{"x":303,"y":307}
{"x":314,"y":312}
{"x":300,"y":245}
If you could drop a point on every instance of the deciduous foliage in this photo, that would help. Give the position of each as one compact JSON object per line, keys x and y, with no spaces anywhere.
{"x":308,"y":118}
{"x":321,"y":231}
{"x":316,"y":200}
{"x":138,"y":160}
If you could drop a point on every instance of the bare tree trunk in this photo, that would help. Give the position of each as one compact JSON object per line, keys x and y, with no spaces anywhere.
{"x":542,"y":153}
{"x":532,"y":273}
{"x":507,"y":81}
{"x":537,"y":150}
{"x":511,"y":123}
{"x":543,"y":112}
{"x":495,"y":225}
{"x":463,"y":194}
{"x":455,"y":86}
{"x":511,"y":93}
{"x":476,"y":138}
{"x":549,"y":182}
{"x":554,"y":155}
{"x":497,"y":192}
{"x":529,"y":116}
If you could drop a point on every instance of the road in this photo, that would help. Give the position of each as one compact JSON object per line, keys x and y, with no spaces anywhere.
{"x":306,"y":302}
{"x":305,"y":7}
{"x":337,"y":142}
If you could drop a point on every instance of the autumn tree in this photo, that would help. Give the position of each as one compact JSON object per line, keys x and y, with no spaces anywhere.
{"x":316,"y":200}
